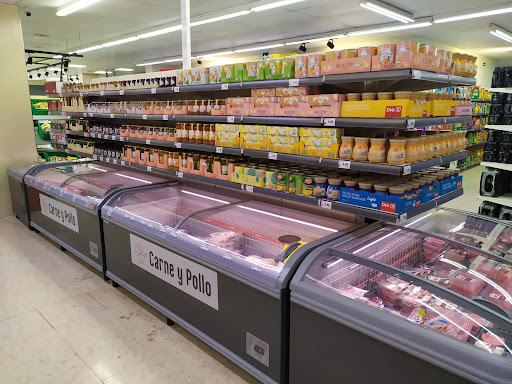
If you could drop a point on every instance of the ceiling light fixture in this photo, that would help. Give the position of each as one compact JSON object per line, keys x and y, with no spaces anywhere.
{"x":387,"y":10}
{"x":210,"y":55}
{"x":152,"y":63}
{"x":87,"y":49}
{"x":122,"y":41}
{"x":55,"y":71}
{"x":330,"y":44}
{"x":57,"y":57}
{"x":258,"y":48}
{"x":30,"y":76}
{"x":77,"y":66}
{"x":219,"y":18}
{"x":500,"y":33}
{"x":75,"y":6}
{"x":389,"y":29}
{"x":103,"y":72}
{"x":160,"y":32}
{"x":275,"y":5}
{"x":124,"y":69}
{"x":46,"y":73}
{"x":303,"y":47}
{"x":38,"y":75}
{"x":467,"y":16}
{"x":29,"y":61}
{"x":317,"y":39}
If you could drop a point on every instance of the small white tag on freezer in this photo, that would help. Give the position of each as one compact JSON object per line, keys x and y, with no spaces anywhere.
{"x":218,"y":149}
{"x":179,"y":174}
{"x":224,"y":87}
{"x":249,"y":188}
{"x":230,"y":119}
{"x":272,"y":156}
{"x":329,"y":122}
{"x":344,"y":164}
{"x":293,"y":83}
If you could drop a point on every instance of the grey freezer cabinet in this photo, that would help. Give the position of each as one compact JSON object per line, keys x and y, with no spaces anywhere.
{"x":395,"y":305}
{"x":64,"y":201}
{"x":214,"y":264}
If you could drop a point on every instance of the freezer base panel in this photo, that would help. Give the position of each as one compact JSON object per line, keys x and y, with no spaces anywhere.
{"x":19,"y":200}
{"x":244,"y":324}
{"x":84,"y":240}
{"x":67,"y":247}
{"x":324,"y":351}
{"x":194,"y":331}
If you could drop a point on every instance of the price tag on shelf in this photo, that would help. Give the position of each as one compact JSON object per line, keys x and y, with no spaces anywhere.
{"x":66,"y":150}
{"x":121,"y":138}
{"x":230,"y":119}
{"x":249,"y":188}
{"x":102,"y":93}
{"x":326,"y":204}
{"x":153,"y":90}
{"x":144,"y":117}
{"x":111,"y":115}
{"x":176,"y":89}
{"x":224,"y":87}
{"x":402,"y":218}
{"x":149,"y":168}
{"x":121,"y":92}
{"x":85,"y":114}
{"x":91,"y":114}
{"x":406,"y":170}
{"x":416,"y":74}
{"x":93,"y":135}
{"x":227,"y":257}
{"x":114,"y":137}
{"x":179,"y":174}
{"x":165,"y":117}
{"x":148,"y":142}
{"x":411,"y":123}
{"x":329,"y":122}
{"x":114,"y":161}
{"x":63,"y":113}
{"x":205,"y":247}
{"x":177,"y":145}
{"x":293,"y":83}
{"x":101,"y":158}
{"x":272,"y":156}
{"x":344,"y":164}
{"x":87,"y":134}
{"x":218,"y":149}
{"x":81,"y":94}
{"x":107,"y":159}
{"x":123,"y":162}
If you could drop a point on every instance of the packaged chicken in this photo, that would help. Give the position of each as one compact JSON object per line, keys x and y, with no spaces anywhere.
{"x":501,"y":297}
{"x":495,"y":270}
{"x":466,"y":283}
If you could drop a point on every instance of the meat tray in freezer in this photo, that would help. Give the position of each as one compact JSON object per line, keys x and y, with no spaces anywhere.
{"x":439,"y":307}
{"x":217,"y":264}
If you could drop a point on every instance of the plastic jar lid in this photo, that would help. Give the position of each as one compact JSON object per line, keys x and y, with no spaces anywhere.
{"x":403,"y":95}
{"x":414,"y":184}
{"x":350,"y":183}
{"x":407,"y":187}
{"x":397,"y":189}
{"x":334,"y":181}
{"x":378,"y":140}
{"x":320,"y":179}
{"x":385,"y":95}
{"x":369,"y":96}
{"x":365,"y":185}
{"x":347,"y":138}
{"x":421,"y":181}
{"x":381,"y":187}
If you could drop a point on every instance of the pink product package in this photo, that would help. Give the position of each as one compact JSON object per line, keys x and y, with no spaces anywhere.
{"x":414,"y":297}
{"x":502,"y":299}
{"x":390,"y":288}
{"x":452,"y":324}
{"x":493,"y":269}
{"x":466,"y":284}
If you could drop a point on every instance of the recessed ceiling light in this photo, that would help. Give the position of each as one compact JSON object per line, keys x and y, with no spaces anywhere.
{"x":152,"y":63}
{"x":500,"y":33}
{"x":103,"y":72}
{"x":75,"y":6}
{"x":159,"y":32}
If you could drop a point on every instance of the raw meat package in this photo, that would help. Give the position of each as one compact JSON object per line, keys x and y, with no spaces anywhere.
{"x":414,"y":297}
{"x":433,"y":247}
{"x":495,"y":270}
{"x":452,"y":324}
{"x":390,"y":288}
{"x":492,"y":341}
{"x":500,"y":298}
{"x":457,"y":255}
{"x":466,"y":283}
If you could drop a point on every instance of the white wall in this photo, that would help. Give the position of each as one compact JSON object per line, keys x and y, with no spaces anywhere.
{"x":16,"y":129}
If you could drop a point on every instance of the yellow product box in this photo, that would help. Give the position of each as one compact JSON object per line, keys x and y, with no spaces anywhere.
{"x":332,"y":152}
{"x":321,"y":132}
{"x":259,"y":129}
{"x":283,"y":141}
{"x":319,"y":142}
{"x":227,"y":127}
{"x":252,"y":137}
{"x":420,"y":110}
{"x":258,"y":145}
{"x":283,"y":131}
{"x":294,"y":149}
{"x":227,"y":136}
{"x":444,"y":108}
{"x":235,"y":143}
{"x":256,"y":178}
{"x":375,"y":108}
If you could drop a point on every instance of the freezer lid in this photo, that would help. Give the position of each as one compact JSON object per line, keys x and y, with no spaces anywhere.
{"x":437,"y":286}
{"x":257,"y":239}
{"x":19,"y":171}
{"x":477,"y":231}
{"x":162,"y":207}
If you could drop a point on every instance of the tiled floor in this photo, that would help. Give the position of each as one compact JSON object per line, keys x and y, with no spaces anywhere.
{"x":61,"y":323}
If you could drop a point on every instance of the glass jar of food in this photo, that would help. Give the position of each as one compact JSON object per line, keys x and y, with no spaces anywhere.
{"x":381,"y":189}
{"x":411,"y":154}
{"x":377,"y":152}
{"x":397,"y":191}
{"x":429,"y":146}
{"x":320,"y":187}
{"x":346,"y":147}
{"x":385,"y":95}
{"x":365,"y":186}
{"x":403,"y":95}
{"x":333,"y":189}
{"x":369,"y":96}
{"x":192,"y":133}
{"x":184,"y":133}
{"x":360,"y":151}
{"x":351,"y":184}
{"x":224,"y":162}
{"x":202,"y":107}
{"x":422,"y":151}
{"x":212,"y":136}
{"x":396,"y":151}
{"x":206,"y":134}
{"x":353,"y":97}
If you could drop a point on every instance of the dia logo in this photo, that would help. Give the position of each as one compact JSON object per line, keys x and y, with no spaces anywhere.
{"x":139,"y":251}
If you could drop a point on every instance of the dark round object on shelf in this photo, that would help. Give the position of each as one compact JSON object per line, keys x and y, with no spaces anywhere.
{"x":505,"y":147}
{"x":507,"y":109}
{"x":491,"y":147}
{"x":498,"y":97}
{"x":289,"y":239}
{"x":494,"y":119}
{"x":496,"y":109}
{"x":506,"y":137}
{"x":507,"y":119}
{"x":493,"y":136}
{"x":490,"y":156}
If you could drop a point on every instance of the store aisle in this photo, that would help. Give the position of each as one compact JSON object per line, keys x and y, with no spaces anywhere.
{"x":61,"y":323}
{"x":471,"y":183}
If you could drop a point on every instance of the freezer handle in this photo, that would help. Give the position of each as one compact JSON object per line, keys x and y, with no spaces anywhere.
{"x":288,"y":251}
{"x":492,"y":306}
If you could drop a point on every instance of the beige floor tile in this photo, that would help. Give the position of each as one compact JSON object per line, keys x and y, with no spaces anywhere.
{"x":69,"y":310}
{"x":108,"y":296}
{"x":22,"y":327}
{"x":43,"y":359}
{"x":115,"y":339}
{"x":12,"y":220}
{"x":471,"y":183}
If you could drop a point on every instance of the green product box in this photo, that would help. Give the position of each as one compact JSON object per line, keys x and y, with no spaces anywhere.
{"x":283,"y":68}
{"x":255,"y":70}
{"x":232,"y":73}
{"x":39,"y":106}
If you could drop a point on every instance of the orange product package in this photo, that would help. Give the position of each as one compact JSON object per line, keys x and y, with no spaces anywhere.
{"x":403,"y":48}
{"x":366,"y":51}
{"x":314,"y":61}
{"x":332,"y":55}
{"x":348,"y":53}
{"x":301,"y":66}
{"x":386,"y":53}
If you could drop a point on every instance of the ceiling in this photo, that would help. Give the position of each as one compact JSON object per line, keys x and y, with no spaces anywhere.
{"x":111,"y":20}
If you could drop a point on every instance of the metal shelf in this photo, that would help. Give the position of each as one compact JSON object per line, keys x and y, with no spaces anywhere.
{"x":479,"y":114}
{"x":474,"y":100}
{"x":49,"y":117}
{"x":505,"y":199}
{"x":474,"y":130}
{"x":507,"y":128}
{"x":475,"y":144}
{"x":501,"y":90}
{"x":399,"y":123}
{"x":504,"y":166}
{"x":463,"y":167}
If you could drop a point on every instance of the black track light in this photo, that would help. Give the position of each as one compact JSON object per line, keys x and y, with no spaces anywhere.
{"x":303,"y":47}
{"x":30,"y":76}
{"x":46,"y":73}
{"x":65,"y":70}
{"x":38,"y":75}
{"x":29,"y":61}
{"x":55,"y":72}
{"x":199,"y":62}
{"x":330,"y":44}
{"x":66,"y":63}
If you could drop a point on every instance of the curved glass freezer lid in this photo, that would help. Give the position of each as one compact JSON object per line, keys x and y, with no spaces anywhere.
{"x":58,"y":174}
{"x":474,"y":230}
{"x":19,"y":170}
{"x":466,"y":295}
{"x":164,"y":205}
{"x":259,"y":233}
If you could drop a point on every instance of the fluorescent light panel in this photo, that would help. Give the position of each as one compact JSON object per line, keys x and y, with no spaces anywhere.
{"x":473,"y":15}
{"x":124,"y":69}
{"x":77,"y":66}
{"x":387,"y":10}
{"x":500,"y":33}
{"x":160,"y":32}
{"x":275,"y":5}
{"x":219,"y":18}
{"x":259,"y":48}
{"x":102,"y":72}
{"x":317,"y":39}
{"x":389,"y":29}
{"x":122,"y":41}
{"x":75,"y":6}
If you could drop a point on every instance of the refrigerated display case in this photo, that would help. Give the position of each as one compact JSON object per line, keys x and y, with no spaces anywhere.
{"x":471,"y":229}
{"x":217,"y":264}
{"x":64,"y":203}
{"x":412,"y":306}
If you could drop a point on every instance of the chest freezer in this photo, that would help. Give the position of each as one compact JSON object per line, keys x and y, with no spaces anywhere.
{"x":65,"y":200}
{"x":217,"y":264}
{"x":471,"y":229}
{"x":412,"y":306}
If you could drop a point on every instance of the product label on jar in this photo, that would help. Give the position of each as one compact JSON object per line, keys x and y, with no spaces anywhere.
{"x":183,"y":274}
{"x":61,"y":213}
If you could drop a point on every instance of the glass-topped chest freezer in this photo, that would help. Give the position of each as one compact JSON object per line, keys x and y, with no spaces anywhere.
{"x":65,"y":199}
{"x":412,"y":305}
{"x":473,"y":230}
{"x":216,"y":263}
